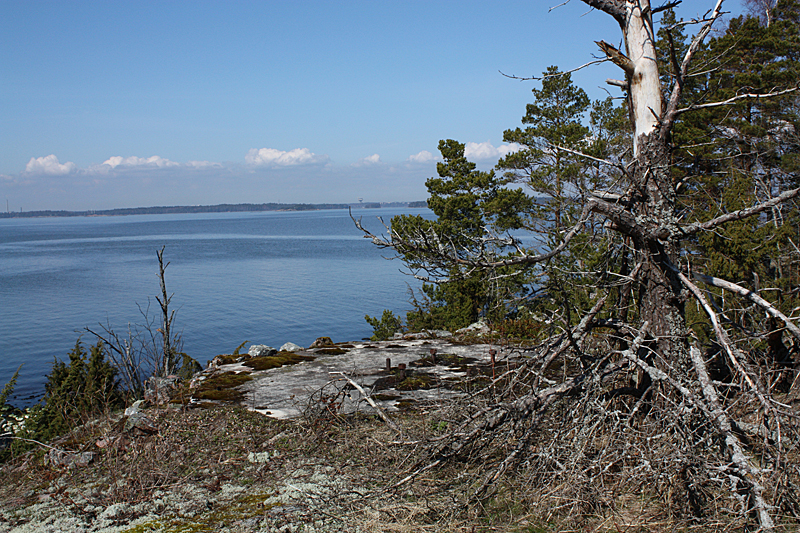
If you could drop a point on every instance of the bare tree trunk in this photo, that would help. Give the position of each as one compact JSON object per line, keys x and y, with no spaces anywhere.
{"x":169,"y":363}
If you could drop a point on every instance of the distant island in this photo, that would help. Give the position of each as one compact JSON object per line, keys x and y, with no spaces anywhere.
{"x":219,"y":208}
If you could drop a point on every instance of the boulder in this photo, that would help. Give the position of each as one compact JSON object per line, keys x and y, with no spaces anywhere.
{"x":159,"y":391}
{"x":478,"y":328}
{"x":137,"y":420}
{"x":261,"y":350}
{"x":321,"y":342}
{"x":291,"y":347}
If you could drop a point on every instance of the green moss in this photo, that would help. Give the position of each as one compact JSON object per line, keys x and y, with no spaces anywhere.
{"x":331,"y":351}
{"x":415,"y":381}
{"x":406,"y":404}
{"x":227,"y":359}
{"x":275,"y":361}
{"x":445,"y":359}
{"x":222,"y":387}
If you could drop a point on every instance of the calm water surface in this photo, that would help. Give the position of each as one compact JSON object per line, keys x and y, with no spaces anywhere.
{"x":267,"y":277}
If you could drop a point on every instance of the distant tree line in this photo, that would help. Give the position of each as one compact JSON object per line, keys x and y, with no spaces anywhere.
{"x":219,"y":208}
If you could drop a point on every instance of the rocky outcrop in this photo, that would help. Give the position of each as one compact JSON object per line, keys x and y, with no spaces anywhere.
{"x":396,"y":373}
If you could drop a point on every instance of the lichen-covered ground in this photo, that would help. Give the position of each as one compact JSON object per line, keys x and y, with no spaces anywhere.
{"x":221,"y":469}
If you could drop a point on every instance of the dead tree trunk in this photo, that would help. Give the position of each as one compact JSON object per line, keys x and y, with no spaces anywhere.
{"x":168,"y":361}
{"x":650,"y":212}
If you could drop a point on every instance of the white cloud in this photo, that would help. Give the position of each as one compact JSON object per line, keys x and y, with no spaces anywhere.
{"x":373,"y":159}
{"x":133,"y":161}
{"x":485,"y":150}
{"x":203,"y":164}
{"x":270,"y":157}
{"x":422,"y":157}
{"x":49,"y":165}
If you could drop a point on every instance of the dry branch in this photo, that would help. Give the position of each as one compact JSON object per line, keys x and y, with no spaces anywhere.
{"x":743,"y":468}
{"x":389,"y":422}
{"x":752,"y":296}
{"x":691,"y":229}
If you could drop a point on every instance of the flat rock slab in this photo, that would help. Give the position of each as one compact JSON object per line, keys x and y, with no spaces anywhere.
{"x":290,"y":391}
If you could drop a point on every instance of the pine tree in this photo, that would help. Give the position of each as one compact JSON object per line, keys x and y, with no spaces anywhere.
{"x":542,"y":165}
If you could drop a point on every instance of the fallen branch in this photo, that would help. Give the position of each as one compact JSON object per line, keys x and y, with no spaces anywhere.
{"x":389,"y":422}
{"x":743,"y":470}
{"x":722,"y":336}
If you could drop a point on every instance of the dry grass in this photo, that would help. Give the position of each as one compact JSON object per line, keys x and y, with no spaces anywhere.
{"x":585,"y":468}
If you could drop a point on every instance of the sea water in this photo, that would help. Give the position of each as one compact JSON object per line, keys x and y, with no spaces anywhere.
{"x":265,"y":277}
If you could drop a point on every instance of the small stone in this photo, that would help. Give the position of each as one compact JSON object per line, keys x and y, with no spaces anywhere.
{"x":258,"y":457}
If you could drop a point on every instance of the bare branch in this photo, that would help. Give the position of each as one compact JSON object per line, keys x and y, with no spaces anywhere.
{"x":733,"y":353}
{"x":744,"y":470}
{"x":591,"y":158}
{"x":691,"y":229}
{"x":669,"y":5}
{"x":750,"y":295}
{"x":539,"y":78}
{"x":735,"y":99}
{"x":617,"y":57}
{"x":441,"y":254}
{"x":615,"y":8}
{"x":671,"y":111}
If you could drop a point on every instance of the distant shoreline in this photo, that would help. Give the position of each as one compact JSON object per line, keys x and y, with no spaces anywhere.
{"x":218,"y":208}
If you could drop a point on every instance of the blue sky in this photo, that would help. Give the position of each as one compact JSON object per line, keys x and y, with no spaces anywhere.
{"x":121,"y":104}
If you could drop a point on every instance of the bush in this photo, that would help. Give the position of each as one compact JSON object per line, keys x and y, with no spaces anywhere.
{"x":75,"y":393}
{"x":385,"y":327}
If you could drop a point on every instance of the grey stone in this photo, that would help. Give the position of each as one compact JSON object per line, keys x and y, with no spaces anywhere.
{"x":63,"y":458}
{"x":291,"y":347}
{"x":261,"y":350}
{"x":478,"y":328}
{"x":139,"y":421}
{"x":160,"y":390}
{"x":134,"y":408}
